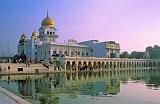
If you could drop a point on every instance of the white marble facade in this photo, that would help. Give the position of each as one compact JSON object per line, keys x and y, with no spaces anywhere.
{"x":43,"y":46}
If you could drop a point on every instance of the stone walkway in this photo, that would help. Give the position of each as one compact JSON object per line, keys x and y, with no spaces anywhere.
{"x":4,"y":99}
{"x":7,"y":97}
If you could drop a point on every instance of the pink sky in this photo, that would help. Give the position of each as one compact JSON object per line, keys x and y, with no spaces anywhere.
{"x":135,"y":24}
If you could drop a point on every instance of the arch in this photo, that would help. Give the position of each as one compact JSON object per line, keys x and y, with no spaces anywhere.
{"x":107,"y":65}
{"x":127,"y":64}
{"x":132,"y":65}
{"x":74,"y":66}
{"x":114,"y":65}
{"x":145,"y":64}
{"x":103,"y":65}
{"x":118,"y":65}
{"x":110,"y":65}
{"x":137,"y":65}
{"x":150,"y":64}
{"x":68,"y":65}
{"x":99,"y":65}
{"x":79,"y":65}
{"x":94,"y":65}
{"x":121,"y":65}
{"x":142,"y":64}
{"x":124,"y":65}
{"x":90,"y":65}
{"x":85,"y":65}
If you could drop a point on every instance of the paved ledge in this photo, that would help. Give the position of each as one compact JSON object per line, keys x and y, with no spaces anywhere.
{"x":7,"y":97}
{"x":51,"y":71}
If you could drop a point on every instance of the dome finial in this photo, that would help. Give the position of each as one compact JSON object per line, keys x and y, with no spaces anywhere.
{"x":47,"y":21}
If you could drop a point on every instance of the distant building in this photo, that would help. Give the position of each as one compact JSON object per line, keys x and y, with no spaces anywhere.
{"x":109,"y":49}
{"x":43,"y":46}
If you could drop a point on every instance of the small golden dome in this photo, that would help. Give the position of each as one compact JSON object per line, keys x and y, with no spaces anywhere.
{"x":47,"y":21}
{"x":34,"y":34}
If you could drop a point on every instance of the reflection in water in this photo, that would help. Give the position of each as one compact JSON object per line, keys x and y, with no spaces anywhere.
{"x":49,"y":88}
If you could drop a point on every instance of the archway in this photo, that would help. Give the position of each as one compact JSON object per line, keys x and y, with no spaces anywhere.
{"x":132,"y":65}
{"x":124,"y":66}
{"x":94,"y":65}
{"x":114,"y":65}
{"x":99,"y":65}
{"x":103,"y":65}
{"x":110,"y":65}
{"x":85,"y":65}
{"x":90,"y":65}
{"x":68,"y":65}
{"x":107,"y":65}
{"x":118,"y":65}
{"x":79,"y":65}
{"x":74,"y":66}
{"x":121,"y":65}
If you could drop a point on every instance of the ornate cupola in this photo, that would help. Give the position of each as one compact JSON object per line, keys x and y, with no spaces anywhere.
{"x":47,"y":21}
{"x":34,"y":35}
{"x":47,"y":31}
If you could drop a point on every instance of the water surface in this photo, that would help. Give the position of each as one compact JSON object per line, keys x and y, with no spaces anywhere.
{"x":104,"y":87}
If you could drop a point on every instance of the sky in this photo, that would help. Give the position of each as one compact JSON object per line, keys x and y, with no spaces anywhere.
{"x":134,"y":24}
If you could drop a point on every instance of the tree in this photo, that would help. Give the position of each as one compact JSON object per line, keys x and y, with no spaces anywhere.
{"x":154,"y":51}
{"x":148,"y":48}
{"x":124,"y":55}
{"x":137,"y":55}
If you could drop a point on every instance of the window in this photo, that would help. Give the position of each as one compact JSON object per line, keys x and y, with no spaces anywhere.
{"x":78,"y":53}
{"x":86,"y":54}
{"x":47,"y":32}
{"x":54,"y":52}
{"x":53,"y":32}
{"x":35,"y":53}
{"x":65,"y":52}
{"x":60,"y":52}
{"x":50,"y":33}
{"x":49,"y":52}
{"x":71,"y":53}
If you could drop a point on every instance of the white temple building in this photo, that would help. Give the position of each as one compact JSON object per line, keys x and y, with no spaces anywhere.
{"x":43,"y":45}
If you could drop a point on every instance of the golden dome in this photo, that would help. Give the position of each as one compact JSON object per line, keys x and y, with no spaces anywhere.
{"x":34,"y":34}
{"x":47,"y":21}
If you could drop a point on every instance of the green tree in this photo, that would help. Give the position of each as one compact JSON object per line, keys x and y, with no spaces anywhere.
{"x":124,"y":55}
{"x":137,"y":55}
{"x":154,"y":51}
